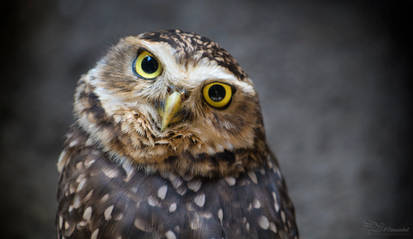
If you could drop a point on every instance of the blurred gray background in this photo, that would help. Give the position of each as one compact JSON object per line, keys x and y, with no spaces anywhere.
{"x":333,"y":79}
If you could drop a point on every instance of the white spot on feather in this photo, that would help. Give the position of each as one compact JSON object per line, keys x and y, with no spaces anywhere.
{"x":61,"y":162}
{"x":110,"y":173}
{"x":195,"y":185}
{"x":200,"y":200}
{"x":89,"y":163}
{"x":76,"y":201}
{"x":87,"y":214}
{"x":81,"y":184}
{"x":230,"y":180}
{"x":162,"y":192}
{"x":175,"y":180}
{"x":88,"y":196}
{"x":170,"y":235}
{"x":283,"y":216}
{"x":67,"y":225}
{"x":220,"y":215}
{"x":172,"y":208}
{"x":253,"y":177}
{"x":276,"y":206}
{"x":73,"y":143}
{"x":95,"y":234}
{"x":273,"y":227}
{"x":152,"y":201}
{"x":60,"y":222}
{"x":263,"y":222}
{"x":104,"y":198}
{"x":108,"y":213}
{"x":256,"y":204}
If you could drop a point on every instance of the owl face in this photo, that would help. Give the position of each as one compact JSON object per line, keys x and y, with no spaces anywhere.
{"x":169,"y":93}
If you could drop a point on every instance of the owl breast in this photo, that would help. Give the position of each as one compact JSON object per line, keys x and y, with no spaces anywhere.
{"x":99,"y":197}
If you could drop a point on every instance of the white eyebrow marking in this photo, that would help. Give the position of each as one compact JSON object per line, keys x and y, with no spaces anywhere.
{"x":193,"y":75}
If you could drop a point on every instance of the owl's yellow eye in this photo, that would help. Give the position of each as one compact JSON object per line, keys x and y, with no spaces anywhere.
{"x":146,"y":66}
{"x":217,"y":94}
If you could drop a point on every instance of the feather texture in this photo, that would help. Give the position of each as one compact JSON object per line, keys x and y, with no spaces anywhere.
{"x":209,"y":174}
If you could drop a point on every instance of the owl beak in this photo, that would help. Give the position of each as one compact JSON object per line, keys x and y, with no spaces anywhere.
{"x":171,"y":108}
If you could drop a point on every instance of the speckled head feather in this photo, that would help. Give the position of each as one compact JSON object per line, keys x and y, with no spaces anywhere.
{"x":191,"y":45}
{"x":169,"y":143}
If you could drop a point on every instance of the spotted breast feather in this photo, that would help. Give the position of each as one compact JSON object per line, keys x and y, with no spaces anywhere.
{"x":102,"y":198}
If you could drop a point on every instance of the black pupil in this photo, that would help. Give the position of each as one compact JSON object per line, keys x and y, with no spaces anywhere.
{"x":149,"y":65}
{"x":216,"y":93}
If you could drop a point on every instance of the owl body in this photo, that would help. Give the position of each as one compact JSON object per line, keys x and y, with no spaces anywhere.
{"x":169,"y":143}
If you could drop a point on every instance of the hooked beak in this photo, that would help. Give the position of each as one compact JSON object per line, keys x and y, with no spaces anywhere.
{"x":171,"y":108}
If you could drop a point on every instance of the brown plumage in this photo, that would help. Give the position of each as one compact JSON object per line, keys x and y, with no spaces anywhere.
{"x":169,"y":143}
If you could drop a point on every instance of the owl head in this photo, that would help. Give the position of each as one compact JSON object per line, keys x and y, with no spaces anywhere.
{"x":172,"y":100}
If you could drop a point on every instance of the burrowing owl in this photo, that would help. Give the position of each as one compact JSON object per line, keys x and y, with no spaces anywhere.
{"x":169,"y":143}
